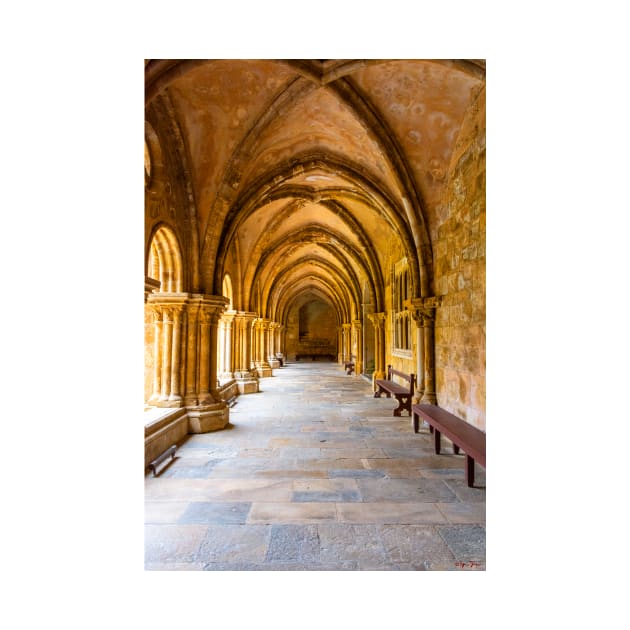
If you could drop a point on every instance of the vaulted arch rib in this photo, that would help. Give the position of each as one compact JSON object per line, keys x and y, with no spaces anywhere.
{"x":315,"y":284}
{"x":349,"y":286}
{"x":313,"y":234}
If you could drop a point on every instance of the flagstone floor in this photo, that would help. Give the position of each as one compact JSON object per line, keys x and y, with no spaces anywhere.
{"x":314,"y":473}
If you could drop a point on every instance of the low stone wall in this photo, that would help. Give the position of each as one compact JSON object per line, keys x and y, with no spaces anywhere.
{"x":163,"y":432}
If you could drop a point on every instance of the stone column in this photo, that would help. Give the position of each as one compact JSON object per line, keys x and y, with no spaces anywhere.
{"x":378,"y":321}
{"x":419,"y":391}
{"x":191,"y":397}
{"x":157,"y":354}
{"x":347,"y":351}
{"x":279,"y":346}
{"x":205,"y":319}
{"x":167,"y":337}
{"x":425,"y":318}
{"x":167,"y":348}
{"x":340,"y":354}
{"x":357,"y":345}
{"x":246,"y":378}
{"x":210,"y":413}
{"x":175,"y":395}
{"x":226,"y":343}
{"x":273,"y":360}
{"x":262,"y":365}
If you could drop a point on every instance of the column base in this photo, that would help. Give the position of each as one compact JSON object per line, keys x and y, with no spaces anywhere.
{"x":206,"y":418}
{"x":247,"y":385}
{"x":377,"y":376}
{"x":263,"y":370}
{"x":274,"y":363}
{"x":429,"y":398}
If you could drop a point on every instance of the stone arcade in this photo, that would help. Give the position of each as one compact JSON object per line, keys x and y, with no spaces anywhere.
{"x":300,"y":214}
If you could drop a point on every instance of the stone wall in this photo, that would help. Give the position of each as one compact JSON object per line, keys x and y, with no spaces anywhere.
{"x":460,"y":277}
{"x":311,"y":329}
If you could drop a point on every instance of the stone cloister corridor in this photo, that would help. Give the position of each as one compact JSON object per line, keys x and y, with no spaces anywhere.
{"x":314,"y":473}
{"x":322,"y":212}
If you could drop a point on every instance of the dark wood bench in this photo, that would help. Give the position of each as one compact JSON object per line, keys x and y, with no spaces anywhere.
{"x":462,"y":434}
{"x":403,"y":394}
{"x":348,"y":366}
{"x":169,"y":452}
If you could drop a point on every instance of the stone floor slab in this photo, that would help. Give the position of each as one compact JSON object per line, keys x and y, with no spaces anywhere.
{"x":293,"y":543}
{"x":460,"y":512}
{"x":321,"y":496}
{"x":234,"y":544}
{"x":407,"y":490}
{"x":292,"y":513}
{"x":215,"y":513}
{"x":467,"y":542}
{"x":390,"y":513}
{"x":360,"y":544}
{"x":164,"y":511}
{"x":414,"y":545}
{"x":172,"y":543}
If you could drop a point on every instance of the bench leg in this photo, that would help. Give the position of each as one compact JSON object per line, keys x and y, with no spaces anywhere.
{"x":416,"y":422}
{"x":437,"y":436}
{"x":470,"y":471}
{"x":404,"y":403}
{"x":455,"y":449}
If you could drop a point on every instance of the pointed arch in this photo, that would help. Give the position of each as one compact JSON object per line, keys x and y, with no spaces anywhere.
{"x":164,"y":260}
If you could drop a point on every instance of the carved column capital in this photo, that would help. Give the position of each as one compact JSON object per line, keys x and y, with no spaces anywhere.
{"x":423,"y":309}
{"x":377,"y":319}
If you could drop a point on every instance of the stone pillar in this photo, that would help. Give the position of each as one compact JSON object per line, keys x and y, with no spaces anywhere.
{"x":175,"y":395}
{"x":378,"y":321}
{"x":246,"y":378}
{"x":357,"y":345}
{"x":168,"y":311}
{"x":210,"y":413}
{"x":205,"y":318}
{"x":419,"y":391}
{"x":424,"y":314}
{"x":157,"y":354}
{"x":279,"y":346}
{"x":226,"y":343}
{"x":262,"y":334}
{"x":273,"y":360}
{"x":340,"y":354}
{"x":346,"y":342}
{"x":191,"y":397}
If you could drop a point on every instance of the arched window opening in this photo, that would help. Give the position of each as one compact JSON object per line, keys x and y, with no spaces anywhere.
{"x":401,"y":315}
{"x":165,"y":261}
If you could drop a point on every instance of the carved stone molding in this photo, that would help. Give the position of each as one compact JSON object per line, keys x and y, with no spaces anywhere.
{"x":423,"y":309}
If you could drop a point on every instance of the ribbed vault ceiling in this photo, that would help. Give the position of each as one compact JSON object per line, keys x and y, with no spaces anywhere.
{"x":303,"y":171}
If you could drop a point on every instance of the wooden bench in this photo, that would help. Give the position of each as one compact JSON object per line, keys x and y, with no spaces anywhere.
{"x":169,"y":452}
{"x":402,"y":394}
{"x":463,"y":435}
{"x":348,"y":366}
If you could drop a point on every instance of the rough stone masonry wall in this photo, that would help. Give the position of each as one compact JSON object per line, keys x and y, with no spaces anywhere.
{"x":460,"y":276}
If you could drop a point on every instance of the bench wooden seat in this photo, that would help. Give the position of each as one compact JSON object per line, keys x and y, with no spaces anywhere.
{"x":462,"y":434}
{"x":403,"y":394}
{"x":348,"y":366}
{"x":169,"y":452}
